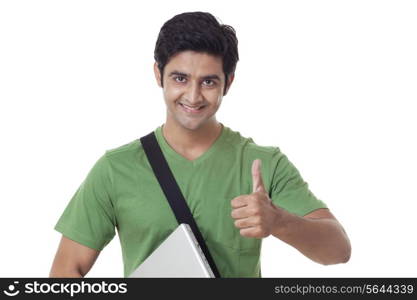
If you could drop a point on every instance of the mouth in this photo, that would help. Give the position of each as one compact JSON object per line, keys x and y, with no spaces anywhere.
{"x":190,"y":109}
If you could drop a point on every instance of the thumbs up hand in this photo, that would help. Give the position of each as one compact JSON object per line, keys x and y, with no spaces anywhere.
{"x":255,"y":214}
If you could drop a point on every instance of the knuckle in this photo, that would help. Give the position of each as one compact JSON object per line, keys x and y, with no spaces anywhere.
{"x":255,"y":211}
{"x":237,"y":223}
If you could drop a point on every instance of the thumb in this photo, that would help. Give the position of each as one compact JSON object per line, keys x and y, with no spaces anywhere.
{"x":257,"y":182}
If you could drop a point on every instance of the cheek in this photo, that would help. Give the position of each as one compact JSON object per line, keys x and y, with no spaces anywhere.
{"x":172,"y":93}
{"x":213,"y":96}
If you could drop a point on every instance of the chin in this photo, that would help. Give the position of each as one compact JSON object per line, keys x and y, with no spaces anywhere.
{"x":192,"y":125}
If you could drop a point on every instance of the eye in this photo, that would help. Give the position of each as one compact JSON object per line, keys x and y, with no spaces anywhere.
{"x":179,"y":79}
{"x":208,"y":82}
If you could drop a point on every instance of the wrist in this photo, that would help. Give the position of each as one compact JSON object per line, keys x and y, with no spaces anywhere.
{"x":283,"y":221}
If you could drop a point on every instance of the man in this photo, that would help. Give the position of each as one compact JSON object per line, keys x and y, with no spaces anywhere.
{"x":238,"y":192}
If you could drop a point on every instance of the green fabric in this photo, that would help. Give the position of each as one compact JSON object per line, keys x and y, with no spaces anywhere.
{"x":121,"y":192}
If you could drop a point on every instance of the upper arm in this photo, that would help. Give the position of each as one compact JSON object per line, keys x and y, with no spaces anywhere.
{"x":72,"y":257}
{"x":321,"y":213}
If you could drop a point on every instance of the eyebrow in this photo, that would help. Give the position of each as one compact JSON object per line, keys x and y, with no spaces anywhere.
{"x":212,"y":76}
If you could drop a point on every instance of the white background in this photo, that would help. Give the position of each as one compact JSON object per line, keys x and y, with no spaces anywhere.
{"x":332,"y":83}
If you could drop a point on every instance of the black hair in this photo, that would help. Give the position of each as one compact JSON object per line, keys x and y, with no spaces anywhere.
{"x":201,"y":32}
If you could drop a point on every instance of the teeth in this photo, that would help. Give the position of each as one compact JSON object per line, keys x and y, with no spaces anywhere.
{"x":192,"y":108}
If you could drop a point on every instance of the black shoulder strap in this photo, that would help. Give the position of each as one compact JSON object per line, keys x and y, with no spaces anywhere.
{"x":173,"y":193}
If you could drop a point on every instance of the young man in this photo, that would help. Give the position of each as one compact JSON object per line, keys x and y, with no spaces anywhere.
{"x":238,"y":192}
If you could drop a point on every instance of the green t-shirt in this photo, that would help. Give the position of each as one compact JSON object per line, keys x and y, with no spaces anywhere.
{"x":121,"y":191}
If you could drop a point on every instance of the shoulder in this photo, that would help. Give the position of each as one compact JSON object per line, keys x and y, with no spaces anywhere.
{"x":251,"y":147}
{"x":120,"y":150}
{"x":124,"y":153}
{"x":248,"y":150}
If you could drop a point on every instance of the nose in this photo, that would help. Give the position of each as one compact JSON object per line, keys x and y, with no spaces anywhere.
{"x":193,"y":94}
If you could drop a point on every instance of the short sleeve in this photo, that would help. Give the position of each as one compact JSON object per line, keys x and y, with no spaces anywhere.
{"x":89,"y":217}
{"x":288,"y":189}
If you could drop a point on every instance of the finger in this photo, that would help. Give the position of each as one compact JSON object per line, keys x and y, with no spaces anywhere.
{"x":242,"y":212}
{"x":251,"y":232}
{"x":257,"y":181}
{"x":247,"y":222}
{"x":239,"y":201}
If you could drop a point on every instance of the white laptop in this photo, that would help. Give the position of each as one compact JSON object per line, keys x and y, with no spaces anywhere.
{"x":179,"y":255}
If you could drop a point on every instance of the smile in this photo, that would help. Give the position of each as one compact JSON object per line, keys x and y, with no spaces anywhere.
{"x":192,"y":110}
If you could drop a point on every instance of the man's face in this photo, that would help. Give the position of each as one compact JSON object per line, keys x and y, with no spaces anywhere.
{"x":193,"y":88}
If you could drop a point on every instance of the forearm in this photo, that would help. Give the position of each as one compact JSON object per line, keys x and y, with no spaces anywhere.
{"x":322,"y":240}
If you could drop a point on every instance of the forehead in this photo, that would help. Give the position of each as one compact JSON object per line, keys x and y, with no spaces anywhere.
{"x":195,"y":63}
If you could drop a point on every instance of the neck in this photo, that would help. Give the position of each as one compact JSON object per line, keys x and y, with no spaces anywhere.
{"x":184,"y":140}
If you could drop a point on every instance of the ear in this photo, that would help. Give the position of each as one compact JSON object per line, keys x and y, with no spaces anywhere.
{"x":229,"y":83}
{"x":157,"y":74}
